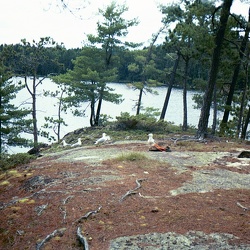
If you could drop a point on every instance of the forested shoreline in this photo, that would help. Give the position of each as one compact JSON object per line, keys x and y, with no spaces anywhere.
{"x":206,"y":48}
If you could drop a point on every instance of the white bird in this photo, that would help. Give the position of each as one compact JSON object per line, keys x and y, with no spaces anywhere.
{"x":65,"y":144}
{"x":151,"y":140}
{"x":78,"y":143}
{"x":103,"y":138}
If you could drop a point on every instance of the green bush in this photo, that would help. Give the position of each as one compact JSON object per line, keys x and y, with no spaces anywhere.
{"x":10,"y":161}
{"x":144,"y":121}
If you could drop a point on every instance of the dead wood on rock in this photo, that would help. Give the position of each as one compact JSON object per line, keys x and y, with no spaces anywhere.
{"x":241,"y":206}
{"x":63,"y":208}
{"x":82,"y":239}
{"x":59,"y":232}
{"x":132,"y":191}
{"x":188,"y":138}
{"x":89,"y":213}
{"x":40,"y":209}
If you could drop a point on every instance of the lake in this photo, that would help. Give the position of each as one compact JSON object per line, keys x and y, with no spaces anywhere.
{"x":46,"y":106}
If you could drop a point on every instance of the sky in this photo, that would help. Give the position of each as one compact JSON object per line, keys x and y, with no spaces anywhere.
{"x":33,"y":19}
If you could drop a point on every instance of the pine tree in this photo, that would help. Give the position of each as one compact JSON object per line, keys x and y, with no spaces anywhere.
{"x":207,"y":100}
{"x":12,"y":118}
{"x":33,"y":55}
{"x":97,"y":65}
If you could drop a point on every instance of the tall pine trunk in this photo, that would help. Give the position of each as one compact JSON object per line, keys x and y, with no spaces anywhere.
{"x":33,"y":95}
{"x":58,"y":133}
{"x":207,"y":100}
{"x":34,"y":118}
{"x":185,"y":123}
{"x":92,"y":111}
{"x":244,"y":130}
{"x":235,"y":77}
{"x":170,"y":86}
{"x":243,"y":102}
{"x":241,"y":111}
{"x":0,"y":127}
{"x":98,"y":111}
{"x":139,"y":102}
{"x":148,"y":58}
{"x":215,"y":111}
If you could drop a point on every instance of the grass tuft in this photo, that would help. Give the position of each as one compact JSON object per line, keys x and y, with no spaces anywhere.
{"x":134,"y":156}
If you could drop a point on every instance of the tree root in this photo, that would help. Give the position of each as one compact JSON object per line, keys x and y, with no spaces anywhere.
{"x":241,"y":206}
{"x":63,"y":208}
{"x":188,"y":138}
{"x":43,"y":190}
{"x":82,"y":239}
{"x":132,"y":191}
{"x":41,"y":208}
{"x":59,"y":232}
{"x":5,"y":205}
{"x":17,"y":200}
{"x":152,"y":197}
{"x":89,"y":213}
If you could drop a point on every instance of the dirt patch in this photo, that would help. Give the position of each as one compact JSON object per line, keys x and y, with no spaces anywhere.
{"x":187,"y":199}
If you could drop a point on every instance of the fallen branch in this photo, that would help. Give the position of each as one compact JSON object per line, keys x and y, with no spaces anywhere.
{"x":89,"y":213}
{"x":67,"y":199}
{"x":152,"y":197}
{"x":241,"y":206}
{"x":41,"y":208}
{"x":188,"y":138}
{"x":17,"y":200}
{"x":30,"y":196}
{"x":63,"y":208}
{"x":59,"y":232}
{"x":132,"y":191}
{"x":82,"y":239}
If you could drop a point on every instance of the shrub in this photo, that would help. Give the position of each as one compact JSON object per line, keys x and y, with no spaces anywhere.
{"x":145,"y":121}
{"x":104,"y":119}
{"x":127,"y":121}
{"x":10,"y":161}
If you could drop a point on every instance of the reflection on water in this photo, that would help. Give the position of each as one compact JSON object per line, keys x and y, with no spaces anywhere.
{"x":46,"y":106}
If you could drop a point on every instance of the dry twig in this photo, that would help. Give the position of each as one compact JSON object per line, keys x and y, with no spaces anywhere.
{"x":17,"y":200}
{"x":90,"y":213}
{"x":82,"y":239}
{"x":152,"y":197}
{"x":5,"y":205}
{"x":67,"y":199}
{"x":188,"y":138}
{"x":63,"y":208}
{"x":41,"y":208}
{"x":241,"y":206}
{"x":132,"y":191}
{"x":59,"y":232}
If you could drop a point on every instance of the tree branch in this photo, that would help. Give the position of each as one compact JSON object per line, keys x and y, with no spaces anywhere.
{"x":132,"y":191}
{"x":241,"y":206}
{"x":89,"y":213}
{"x":82,"y":239}
{"x":59,"y":232}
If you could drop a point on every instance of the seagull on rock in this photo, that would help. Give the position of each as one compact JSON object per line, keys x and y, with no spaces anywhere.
{"x":65,"y":144}
{"x":78,"y":143}
{"x":104,"y":138}
{"x":151,"y":140}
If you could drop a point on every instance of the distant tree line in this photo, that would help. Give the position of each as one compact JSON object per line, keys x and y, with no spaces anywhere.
{"x":59,"y":59}
{"x":206,"y":48}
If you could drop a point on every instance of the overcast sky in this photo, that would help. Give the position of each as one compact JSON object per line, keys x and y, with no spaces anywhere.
{"x":33,"y":19}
